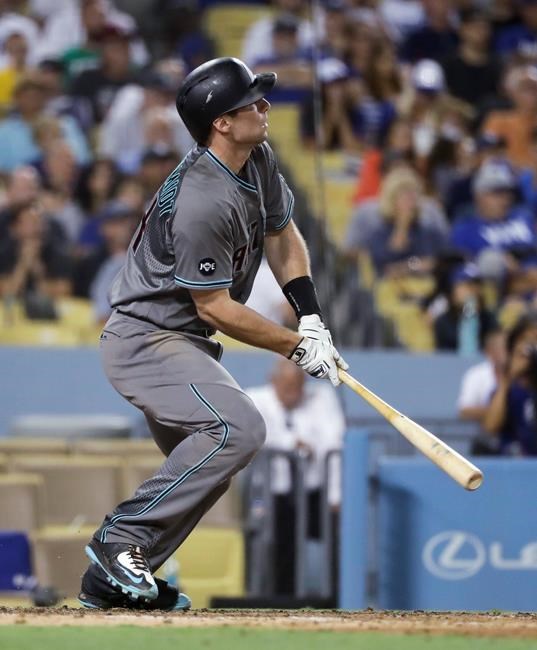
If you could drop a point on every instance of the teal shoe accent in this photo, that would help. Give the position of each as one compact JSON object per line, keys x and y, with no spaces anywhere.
{"x":183,"y":603}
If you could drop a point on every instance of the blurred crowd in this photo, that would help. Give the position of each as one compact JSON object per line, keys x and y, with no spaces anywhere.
{"x":433,"y":104}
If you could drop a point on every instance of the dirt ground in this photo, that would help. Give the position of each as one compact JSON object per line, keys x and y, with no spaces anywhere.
{"x":522,"y":625}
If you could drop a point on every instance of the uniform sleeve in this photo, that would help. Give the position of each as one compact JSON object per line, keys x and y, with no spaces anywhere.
{"x":202,"y":242}
{"x":279,"y":199}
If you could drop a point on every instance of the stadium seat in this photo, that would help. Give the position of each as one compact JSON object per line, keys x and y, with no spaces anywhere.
{"x":71,"y":426}
{"x":21,"y":501}
{"x":121,"y":446}
{"x":75,"y":488}
{"x":227,"y":511}
{"x":136,"y":470}
{"x":211,"y":563}
{"x":40,"y":333}
{"x":24,"y":445}
{"x":398,"y":299}
{"x":59,"y":558}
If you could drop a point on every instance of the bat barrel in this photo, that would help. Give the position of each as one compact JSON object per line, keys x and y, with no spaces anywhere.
{"x":447,"y":459}
{"x":475,"y":480}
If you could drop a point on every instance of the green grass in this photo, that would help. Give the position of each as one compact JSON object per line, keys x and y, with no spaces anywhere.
{"x":23,"y":637}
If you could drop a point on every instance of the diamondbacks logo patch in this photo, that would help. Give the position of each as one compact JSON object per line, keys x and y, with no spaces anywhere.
{"x":207,"y":266}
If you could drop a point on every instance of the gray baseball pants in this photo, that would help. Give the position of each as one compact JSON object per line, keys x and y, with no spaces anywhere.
{"x":199,"y":417}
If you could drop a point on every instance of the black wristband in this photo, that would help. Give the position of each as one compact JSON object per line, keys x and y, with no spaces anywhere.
{"x":302,"y":296}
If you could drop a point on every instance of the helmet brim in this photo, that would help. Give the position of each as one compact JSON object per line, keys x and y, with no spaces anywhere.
{"x":262,"y":84}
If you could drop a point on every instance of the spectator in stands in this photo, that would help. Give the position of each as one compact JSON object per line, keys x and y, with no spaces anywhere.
{"x":400,"y":18}
{"x":334,"y":39}
{"x":18,"y":146}
{"x":402,"y":233}
{"x":425,"y":106}
{"x":60,"y":174}
{"x":96,"y":88}
{"x":338,"y":99}
{"x":96,"y":186}
{"x":458,"y":198}
{"x":12,"y":22}
{"x":13,"y":63}
{"x":157,"y":163}
{"x":398,"y":149}
{"x":307,"y":419}
{"x":465,"y":293}
{"x":480,"y":381}
{"x":473,"y":73}
{"x":190,"y":41}
{"x":361,"y":40}
{"x":498,"y":224}
{"x":292,"y":64}
{"x":32,"y":260}
{"x":375,"y":110}
{"x":453,"y":150}
{"x":58,"y":102}
{"x":520,"y":38}
{"x":95,"y":271}
{"x":511,"y":416}
{"x":130,"y":192}
{"x":123,"y":136}
{"x":69,"y":34}
{"x":528,"y":178}
{"x":518,"y":123}
{"x":436,"y":39}
{"x":258,"y":43}
{"x":23,"y":185}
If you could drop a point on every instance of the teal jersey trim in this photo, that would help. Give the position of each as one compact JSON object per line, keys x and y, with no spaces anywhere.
{"x":288,"y":215}
{"x":185,"y":475}
{"x":202,"y":285}
{"x":237,"y":179}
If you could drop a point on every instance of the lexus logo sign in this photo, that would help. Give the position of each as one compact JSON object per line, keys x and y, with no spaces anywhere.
{"x":454,"y":555}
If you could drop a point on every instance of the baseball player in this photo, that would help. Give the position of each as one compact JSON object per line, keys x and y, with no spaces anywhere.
{"x":188,"y":273}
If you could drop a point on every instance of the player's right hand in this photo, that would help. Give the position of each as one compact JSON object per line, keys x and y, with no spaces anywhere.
{"x":318,"y":358}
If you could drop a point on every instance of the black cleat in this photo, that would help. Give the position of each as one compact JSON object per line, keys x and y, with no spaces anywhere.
{"x":169,"y":599}
{"x":125,"y":567}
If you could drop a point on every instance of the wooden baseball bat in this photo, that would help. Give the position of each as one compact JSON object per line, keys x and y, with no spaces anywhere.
{"x":450,"y":461}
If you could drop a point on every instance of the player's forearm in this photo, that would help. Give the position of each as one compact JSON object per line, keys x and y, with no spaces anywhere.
{"x":246,"y":325}
{"x":287,"y":255}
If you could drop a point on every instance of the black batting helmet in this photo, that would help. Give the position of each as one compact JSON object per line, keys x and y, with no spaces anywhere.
{"x":217,"y":87}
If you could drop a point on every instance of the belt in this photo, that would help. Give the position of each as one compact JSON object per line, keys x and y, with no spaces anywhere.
{"x":205,"y":333}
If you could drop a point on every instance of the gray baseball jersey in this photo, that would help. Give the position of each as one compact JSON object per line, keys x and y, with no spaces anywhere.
{"x":204,"y":230}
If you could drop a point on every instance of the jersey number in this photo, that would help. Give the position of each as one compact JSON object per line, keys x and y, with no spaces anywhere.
{"x":241,"y":254}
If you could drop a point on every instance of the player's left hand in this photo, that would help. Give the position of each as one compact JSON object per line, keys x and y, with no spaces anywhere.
{"x":313,"y":327}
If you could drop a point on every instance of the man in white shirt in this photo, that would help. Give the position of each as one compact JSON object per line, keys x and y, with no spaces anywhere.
{"x":305,"y":417}
{"x":479,"y":381}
